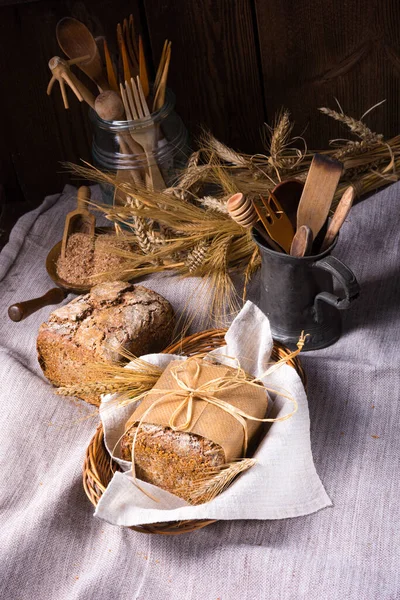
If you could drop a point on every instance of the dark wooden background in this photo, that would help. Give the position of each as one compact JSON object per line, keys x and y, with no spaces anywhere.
{"x":235,"y":63}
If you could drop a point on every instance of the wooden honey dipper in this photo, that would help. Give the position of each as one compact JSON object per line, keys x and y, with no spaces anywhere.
{"x":242,"y":211}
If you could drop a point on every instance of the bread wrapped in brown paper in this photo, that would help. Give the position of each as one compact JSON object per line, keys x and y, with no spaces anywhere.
{"x":190,"y":425}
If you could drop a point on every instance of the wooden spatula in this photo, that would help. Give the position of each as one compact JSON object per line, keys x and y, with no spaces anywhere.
{"x":79,"y":220}
{"x":339,"y":216}
{"x":319,"y":189}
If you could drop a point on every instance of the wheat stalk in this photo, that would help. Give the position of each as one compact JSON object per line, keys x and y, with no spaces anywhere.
{"x":197,"y":257}
{"x":193,"y":159}
{"x":211,"y":144}
{"x":280,"y":136}
{"x":253,"y":265}
{"x":89,"y":388}
{"x":188,"y":218}
{"x":356,"y":127}
{"x":140,"y":230}
{"x":192,"y":176}
{"x":122,"y":379}
{"x":216,"y":480}
{"x":353,"y":148}
{"x":214,"y":204}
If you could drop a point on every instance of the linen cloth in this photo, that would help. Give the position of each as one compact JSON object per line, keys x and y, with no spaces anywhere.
{"x":51,"y":546}
{"x":283,"y":483}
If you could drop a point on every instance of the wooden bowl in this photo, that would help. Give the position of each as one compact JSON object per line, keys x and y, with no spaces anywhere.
{"x":51,"y":266}
{"x":97,"y":470}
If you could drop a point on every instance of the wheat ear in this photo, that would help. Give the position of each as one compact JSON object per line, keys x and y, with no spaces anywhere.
{"x":217,"y":480}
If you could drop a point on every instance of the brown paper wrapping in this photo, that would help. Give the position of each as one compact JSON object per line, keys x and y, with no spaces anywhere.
{"x":209,"y":421}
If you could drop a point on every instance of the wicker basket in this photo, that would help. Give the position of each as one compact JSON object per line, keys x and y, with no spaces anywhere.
{"x":97,"y":472}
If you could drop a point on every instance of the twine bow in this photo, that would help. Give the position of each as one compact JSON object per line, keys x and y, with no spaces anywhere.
{"x":189,"y":391}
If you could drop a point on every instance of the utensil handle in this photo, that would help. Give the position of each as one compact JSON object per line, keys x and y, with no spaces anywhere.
{"x":83,"y":196}
{"x":125,"y":140}
{"x":347,"y":280}
{"x":301,"y":242}
{"x":339,"y":217}
{"x":267,"y":238}
{"x":21,"y":310}
{"x":156,"y":178}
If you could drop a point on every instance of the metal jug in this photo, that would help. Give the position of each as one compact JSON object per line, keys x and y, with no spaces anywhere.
{"x":297,"y":295}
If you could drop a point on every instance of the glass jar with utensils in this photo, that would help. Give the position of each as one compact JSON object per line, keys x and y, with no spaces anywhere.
{"x":148,"y":149}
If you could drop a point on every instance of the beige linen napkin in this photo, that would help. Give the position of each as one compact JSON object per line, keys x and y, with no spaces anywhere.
{"x":282,"y":484}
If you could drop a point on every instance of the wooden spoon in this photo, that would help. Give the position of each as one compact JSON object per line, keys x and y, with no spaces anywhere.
{"x":339,"y":216}
{"x":79,"y":220}
{"x":75,"y":40}
{"x":288,"y":194}
{"x":319,"y":189}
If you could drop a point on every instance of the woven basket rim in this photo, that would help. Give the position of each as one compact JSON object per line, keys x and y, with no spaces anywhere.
{"x":97,"y":471}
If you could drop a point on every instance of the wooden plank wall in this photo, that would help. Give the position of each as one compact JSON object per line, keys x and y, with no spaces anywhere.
{"x":313,"y":52}
{"x":235,"y":63}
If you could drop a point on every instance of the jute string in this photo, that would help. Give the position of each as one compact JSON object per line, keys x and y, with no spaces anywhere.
{"x":189,"y":392}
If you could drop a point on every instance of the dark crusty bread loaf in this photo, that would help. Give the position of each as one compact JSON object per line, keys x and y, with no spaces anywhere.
{"x":172,"y":460}
{"x":95,"y":326}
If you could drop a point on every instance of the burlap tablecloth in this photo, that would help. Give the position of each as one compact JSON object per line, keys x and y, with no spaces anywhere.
{"x":51,"y":547}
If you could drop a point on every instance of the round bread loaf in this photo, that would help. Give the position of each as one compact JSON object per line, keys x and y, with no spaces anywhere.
{"x":94,"y":327}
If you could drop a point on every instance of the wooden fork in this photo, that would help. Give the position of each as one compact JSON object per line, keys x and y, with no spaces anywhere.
{"x":136,"y":108}
{"x":276,"y":222}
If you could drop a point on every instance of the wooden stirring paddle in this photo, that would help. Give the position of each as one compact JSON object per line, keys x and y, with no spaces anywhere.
{"x":319,"y":189}
{"x":339,"y":217}
{"x":79,"y":220}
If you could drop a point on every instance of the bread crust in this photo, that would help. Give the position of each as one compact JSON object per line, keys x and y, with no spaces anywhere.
{"x":171,"y":460}
{"x":95,"y":326}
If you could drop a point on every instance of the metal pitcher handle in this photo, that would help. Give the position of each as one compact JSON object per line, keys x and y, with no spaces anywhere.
{"x":345,"y":277}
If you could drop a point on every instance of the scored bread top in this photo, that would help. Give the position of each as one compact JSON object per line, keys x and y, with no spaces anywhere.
{"x":111,"y":315}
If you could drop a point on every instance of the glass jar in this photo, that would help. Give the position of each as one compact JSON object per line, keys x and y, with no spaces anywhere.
{"x":118,"y":147}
